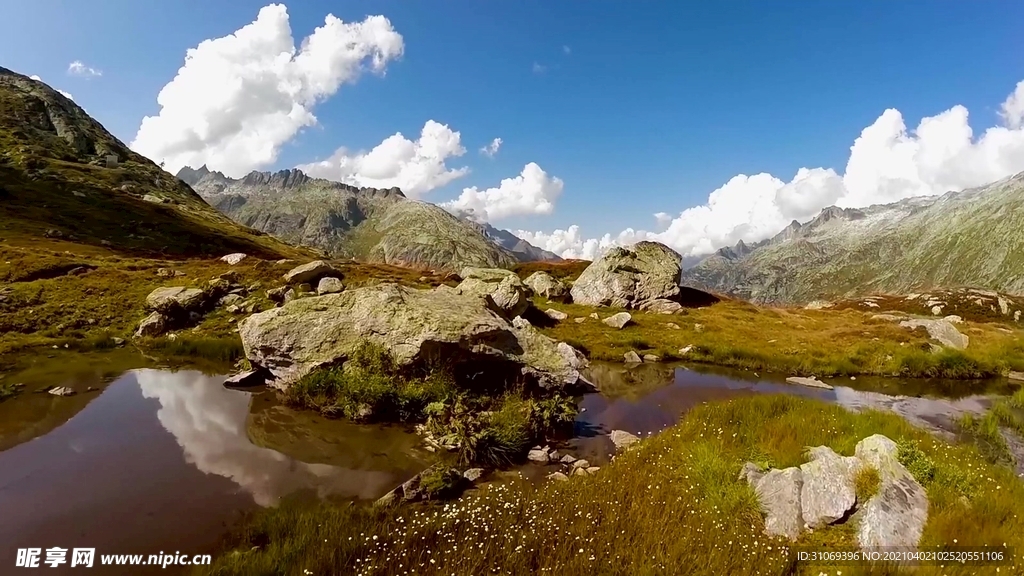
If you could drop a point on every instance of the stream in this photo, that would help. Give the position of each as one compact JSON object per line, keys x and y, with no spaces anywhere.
{"x":156,"y":460}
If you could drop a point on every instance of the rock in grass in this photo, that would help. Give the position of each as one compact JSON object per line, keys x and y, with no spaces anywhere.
{"x":410,"y":324}
{"x":61,"y":391}
{"x":897,"y":513}
{"x":622,"y":439}
{"x":581,"y":463}
{"x":662,"y":306}
{"x":630,"y":277}
{"x":557,"y":476}
{"x":580,"y":320}
{"x":652,"y":358}
{"x":310,"y":272}
{"x":567,"y":459}
{"x":233,"y":259}
{"x":175,"y":299}
{"x":593,"y":469}
{"x":504,"y":290}
{"x":329,"y":285}
{"x":1015,"y":375}
{"x":812,"y":382}
{"x":779,"y":494}
{"x":594,"y":316}
{"x":618,"y":321}
{"x":828,"y":491}
{"x":538,"y":455}
{"x":547,"y":286}
{"x":473,"y":474}
{"x":153,"y":325}
{"x":942,"y":331}
{"x":555,"y":314}
{"x":672,"y":326}
{"x":685,"y":350}
{"x":631,"y":358}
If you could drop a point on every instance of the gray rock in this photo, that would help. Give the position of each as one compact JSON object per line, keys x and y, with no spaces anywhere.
{"x":812,"y":382}
{"x":61,"y":391}
{"x":652,"y":358}
{"x":828,"y":491}
{"x":630,"y":277}
{"x":277,"y":294}
{"x":491,"y":275}
{"x":245,"y":379}
{"x":593,"y":469}
{"x":473,"y":474}
{"x":175,"y":300}
{"x":818,"y":305}
{"x":329,"y":285}
{"x":579,"y":472}
{"x":953,"y":319}
{"x":581,"y":463}
{"x":897,"y":514}
{"x":631,"y":357}
{"x":521,"y":323}
{"x":230,"y":299}
{"x":547,"y":286}
{"x":168,"y":273}
{"x":941,"y":330}
{"x":289,"y":295}
{"x":619,"y":320}
{"x":310,"y":272}
{"x":567,"y":459}
{"x":540,"y":456}
{"x":233,"y":259}
{"x":622,"y":439}
{"x":153,"y":199}
{"x":411,"y":324}
{"x":557,"y":476}
{"x":751,"y":473}
{"x":580,"y":320}
{"x":685,"y":350}
{"x":117,"y":341}
{"x":779,"y":494}
{"x":1004,"y":305}
{"x":153,"y":325}
{"x":504,"y":290}
{"x":593,"y":316}
{"x":672,"y":326}
{"x":661,"y":306}
{"x":1015,"y":376}
{"x":556,"y":314}
{"x":936,"y":310}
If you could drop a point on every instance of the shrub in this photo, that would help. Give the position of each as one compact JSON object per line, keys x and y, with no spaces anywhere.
{"x":919,"y":464}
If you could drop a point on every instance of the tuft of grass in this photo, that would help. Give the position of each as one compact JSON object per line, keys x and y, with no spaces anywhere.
{"x":919,"y":464}
{"x":215,"y":349}
{"x":370,"y":387}
{"x":10,"y":390}
{"x":673,"y":501}
{"x":987,"y":431}
{"x":866,"y":483}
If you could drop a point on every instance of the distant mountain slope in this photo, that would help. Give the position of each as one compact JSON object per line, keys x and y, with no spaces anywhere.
{"x":365,"y":223}
{"x":54,"y":182}
{"x":522,"y":249}
{"x":973,"y":238}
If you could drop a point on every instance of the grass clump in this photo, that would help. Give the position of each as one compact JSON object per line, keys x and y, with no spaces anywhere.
{"x":866,"y":483}
{"x":672,"y":501}
{"x":1005,"y":417}
{"x":919,"y":464}
{"x":371,"y":387}
{"x":10,"y":390}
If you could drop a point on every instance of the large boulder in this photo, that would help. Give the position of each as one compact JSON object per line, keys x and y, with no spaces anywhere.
{"x":153,"y":325}
{"x":505,"y":291}
{"x":897,"y":513}
{"x":828,"y":490}
{"x":779,"y":494}
{"x":547,"y":286}
{"x":941,"y":330}
{"x":171,"y":301}
{"x":643,"y":276}
{"x":413,"y":325}
{"x":310,"y":272}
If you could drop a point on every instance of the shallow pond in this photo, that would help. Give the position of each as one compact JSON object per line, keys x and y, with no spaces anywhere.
{"x":159,"y":460}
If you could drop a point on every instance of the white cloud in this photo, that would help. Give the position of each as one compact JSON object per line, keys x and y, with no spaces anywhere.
{"x":539,"y":68}
{"x":415,"y":166}
{"x":63,"y":93}
{"x":887,"y":163}
{"x":77,"y":68}
{"x":239,"y":98}
{"x":566,"y":50}
{"x":491,"y":149}
{"x":533,"y":192}
{"x":663,"y":219}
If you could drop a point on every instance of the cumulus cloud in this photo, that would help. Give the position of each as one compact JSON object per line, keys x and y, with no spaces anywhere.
{"x":63,"y":93}
{"x":416,"y":166}
{"x":663,"y":219}
{"x":533,"y":192}
{"x":77,"y":68}
{"x":491,"y":149}
{"x":239,"y":98}
{"x":887,"y":163}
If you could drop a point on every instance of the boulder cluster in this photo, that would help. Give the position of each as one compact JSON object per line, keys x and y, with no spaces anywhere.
{"x":823,"y":491}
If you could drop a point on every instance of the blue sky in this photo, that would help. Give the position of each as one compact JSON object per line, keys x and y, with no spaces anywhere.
{"x":641,"y":107}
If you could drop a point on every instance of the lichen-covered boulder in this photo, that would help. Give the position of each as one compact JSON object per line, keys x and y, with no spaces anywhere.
{"x":175,"y":300}
{"x":547,"y":286}
{"x":413,"y":325}
{"x":828,"y":490}
{"x":941,"y":330}
{"x":509,"y":296}
{"x":630,"y":277}
{"x":897,"y":513}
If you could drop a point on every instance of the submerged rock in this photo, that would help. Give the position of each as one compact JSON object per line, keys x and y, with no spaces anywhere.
{"x":812,"y":382}
{"x":413,"y":325}
{"x":61,"y":391}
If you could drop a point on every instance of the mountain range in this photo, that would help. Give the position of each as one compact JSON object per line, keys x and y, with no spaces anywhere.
{"x":378,"y":225}
{"x":973,"y":238}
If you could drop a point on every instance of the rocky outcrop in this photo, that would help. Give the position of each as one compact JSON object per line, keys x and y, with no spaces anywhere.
{"x":643,"y":277}
{"x":414,"y":326}
{"x":547,"y":286}
{"x":175,"y":300}
{"x":505,"y":292}
{"x":823,"y":491}
{"x":942,"y":331}
{"x":311,"y":272}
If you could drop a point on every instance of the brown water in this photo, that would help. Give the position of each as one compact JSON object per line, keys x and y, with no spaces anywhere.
{"x":166,"y":461}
